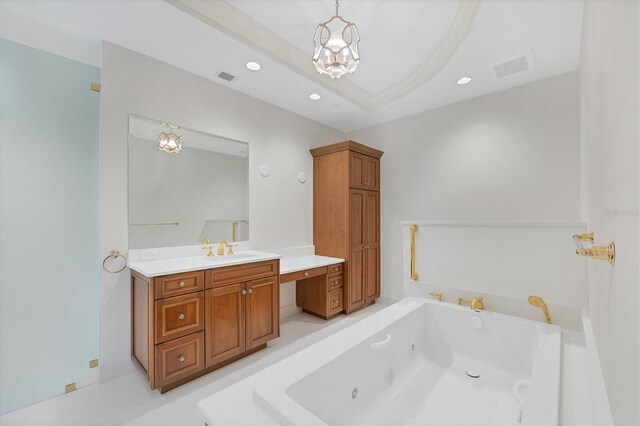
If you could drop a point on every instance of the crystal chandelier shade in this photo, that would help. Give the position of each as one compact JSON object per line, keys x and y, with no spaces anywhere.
{"x":336,"y":46}
{"x":169,"y":141}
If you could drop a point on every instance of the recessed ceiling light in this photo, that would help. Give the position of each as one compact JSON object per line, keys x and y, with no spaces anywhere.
{"x":464,"y":80}
{"x":253,"y":66}
{"x":314,"y":96}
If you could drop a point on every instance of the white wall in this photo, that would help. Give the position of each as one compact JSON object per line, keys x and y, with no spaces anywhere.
{"x":193,"y":188}
{"x":280,"y":207}
{"x":508,"y":259}
{"x":508,"y":156}
{"x":610,"y":116}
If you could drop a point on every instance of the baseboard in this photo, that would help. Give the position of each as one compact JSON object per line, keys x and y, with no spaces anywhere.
{"x":289,"y":310}
{"x":116,"y":369}
{"x":387,"y":300}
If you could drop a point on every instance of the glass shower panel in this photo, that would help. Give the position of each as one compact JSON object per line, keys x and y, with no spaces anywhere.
{"x":49,"y":262}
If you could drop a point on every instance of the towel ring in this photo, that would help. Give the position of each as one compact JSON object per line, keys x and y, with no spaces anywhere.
{"x":114,"y":254}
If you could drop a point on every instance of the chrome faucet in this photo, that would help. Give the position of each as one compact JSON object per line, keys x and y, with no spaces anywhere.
{"x":475,"y":304}
{"x":224,"y":244}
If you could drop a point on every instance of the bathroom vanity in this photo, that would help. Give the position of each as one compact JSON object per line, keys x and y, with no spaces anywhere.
{"x":319,"y":283}
{"x":193,"y":315}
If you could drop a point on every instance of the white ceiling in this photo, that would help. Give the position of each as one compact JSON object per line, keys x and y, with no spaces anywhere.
{"x":438,"y":41}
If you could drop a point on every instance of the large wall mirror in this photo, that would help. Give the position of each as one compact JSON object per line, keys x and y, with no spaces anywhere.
{"x":185,"y":186}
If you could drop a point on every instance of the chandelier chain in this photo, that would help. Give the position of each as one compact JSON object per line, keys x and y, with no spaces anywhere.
{"x":336,"y":7}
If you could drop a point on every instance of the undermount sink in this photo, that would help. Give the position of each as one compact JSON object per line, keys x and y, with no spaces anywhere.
{"x":228,"y":257}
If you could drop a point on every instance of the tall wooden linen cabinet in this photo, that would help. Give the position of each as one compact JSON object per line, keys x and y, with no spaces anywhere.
{"x":346,"y":216}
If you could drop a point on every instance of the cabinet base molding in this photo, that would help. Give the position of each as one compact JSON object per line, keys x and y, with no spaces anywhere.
{"x":360,"y":307}
{"x":324,"y":317}
{"x":208,"y":370}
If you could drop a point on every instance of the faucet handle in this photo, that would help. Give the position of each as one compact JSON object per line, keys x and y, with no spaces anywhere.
{"x":438,"y":296}
{"x":206,"y":241}
{"x":231,"y":248}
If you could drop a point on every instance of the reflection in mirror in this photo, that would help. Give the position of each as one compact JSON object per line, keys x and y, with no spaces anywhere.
{"x":189,"y":193}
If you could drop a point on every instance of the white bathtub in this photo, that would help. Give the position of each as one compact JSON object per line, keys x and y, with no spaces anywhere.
{"x":414,"y":362}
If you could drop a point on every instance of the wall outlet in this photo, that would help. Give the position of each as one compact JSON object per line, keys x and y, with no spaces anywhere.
{"x":149,"y":254}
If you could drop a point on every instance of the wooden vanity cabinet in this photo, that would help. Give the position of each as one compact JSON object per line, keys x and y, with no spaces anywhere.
{"x":189,"y":324}
{"x":346,"y":216}
{"x":319,"y":291}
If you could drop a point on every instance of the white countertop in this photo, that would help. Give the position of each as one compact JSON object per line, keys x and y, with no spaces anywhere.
{"x":154,"y":268}
{"x":295,"y":264}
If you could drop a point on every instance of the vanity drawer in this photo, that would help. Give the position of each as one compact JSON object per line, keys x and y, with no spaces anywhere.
{"x":336,"y":269}
{"x":176,"y":284}
{"x":334,"y":282}
{"x":301,"y":275}
{"x":179,"y":358}
{"x":233,"y":274}
{"x":334,"y":302}
{"x":179,"y":316}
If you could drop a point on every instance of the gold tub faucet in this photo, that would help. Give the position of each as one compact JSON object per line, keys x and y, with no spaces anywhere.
{"x":538,"y":302}
{"x":475,"y":304}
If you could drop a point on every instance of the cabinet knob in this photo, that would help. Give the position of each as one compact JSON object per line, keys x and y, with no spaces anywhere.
{"x":180,"y":316}
{"x":250,"y":291}
{"x":181,"y":358}
{"x":306,"y":274}
{"x":181,"y":284}
{"x":336,"y":281}
{"x":244,"y":291}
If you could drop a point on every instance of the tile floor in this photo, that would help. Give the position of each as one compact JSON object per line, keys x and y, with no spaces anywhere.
{"x":128,"y":401}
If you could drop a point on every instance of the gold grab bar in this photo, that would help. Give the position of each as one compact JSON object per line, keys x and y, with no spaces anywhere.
{"x":156,"y":224}
{"x":414,"y":275}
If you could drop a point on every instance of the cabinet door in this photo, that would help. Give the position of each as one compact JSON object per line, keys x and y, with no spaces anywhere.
{"x":357,"y":170}
{"x":355,"y":294}
{"x":372,"y":245}
{"x":372,"y":273}
{"x":224,"y":323}
{"x":263,"y":310}
{"x":372,"y":174}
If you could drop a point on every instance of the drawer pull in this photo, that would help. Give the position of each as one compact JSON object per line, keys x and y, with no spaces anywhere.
{"x":336,"y":269}
{"x":181,"y":358}
{"x":306,"y":274}
{"x":181,"y":284}
{"x":336,"y":281}
{"x":180,"y":316}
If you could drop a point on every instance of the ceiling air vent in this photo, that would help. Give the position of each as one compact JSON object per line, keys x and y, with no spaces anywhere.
{"x":226,"y":76}
{"x":517,"y":64}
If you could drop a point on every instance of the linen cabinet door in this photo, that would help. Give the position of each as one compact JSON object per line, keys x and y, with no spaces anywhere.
{"x":357,"y":170}
{"x":355,"y":292}
{"x":263,"y":311}
{"x":372,"y":245}
{"x":372,"y":174}
{"x":224,"y":323}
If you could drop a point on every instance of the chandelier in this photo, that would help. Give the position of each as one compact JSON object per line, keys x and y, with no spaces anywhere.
{"x":336,"y":46}
{"x":169,"y":141}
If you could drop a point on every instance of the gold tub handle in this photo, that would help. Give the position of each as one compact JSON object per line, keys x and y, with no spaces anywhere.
{"x":414,"y":275}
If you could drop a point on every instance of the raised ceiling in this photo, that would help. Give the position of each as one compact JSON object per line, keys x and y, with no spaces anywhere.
{"x":413,"y":52}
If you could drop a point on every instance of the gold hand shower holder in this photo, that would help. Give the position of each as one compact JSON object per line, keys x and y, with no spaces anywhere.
{"x":607,"y":252}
